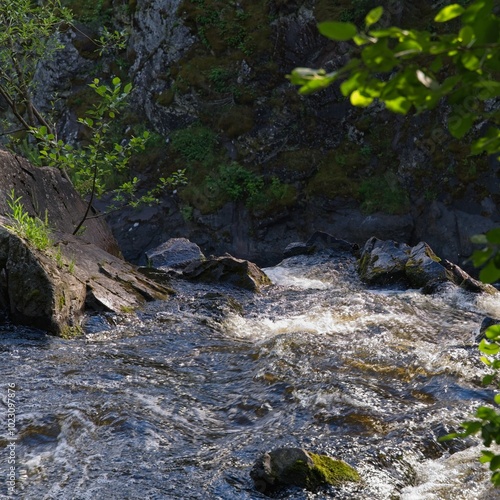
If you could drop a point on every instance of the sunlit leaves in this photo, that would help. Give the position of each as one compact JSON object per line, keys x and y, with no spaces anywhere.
{"x":449,"y":12}
{"x":358,"y":99}
{"x":399,"y":105}
{"x":386,"y":55}
{"x":489,"y":143}
{"x":337,"y":30}
{"x":373,"y":16}
{"x":378,"y":57}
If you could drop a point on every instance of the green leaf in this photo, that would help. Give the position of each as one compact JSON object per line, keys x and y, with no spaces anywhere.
{"x":315,"y":85}
{"x":399,"y":105}
{"x":486,"y":456}
{"x":357,"y":99}
{"x":479,"y":239}
{"x":497,"y":399}
{"x":470,"y":61}
{"x":354,"y":82}
{"x":493,"y":235}
{"x":471,"y":427}
{"x":493,"y":332}
{"x":391,"y":32}
{"x":449,"y":12}
{"x":495,"y":462}
{"x":459,"y":125}
{"x":373,"y":16}
{"x":378,"y":57}
{"x":488,"y":89}
{"x":488,"y":348}
{"x":466,"y":35}
{"x":337,"y":30}
{"x":490,"y":273}
{"x":490,"y":143}
{"x":481,"y":257}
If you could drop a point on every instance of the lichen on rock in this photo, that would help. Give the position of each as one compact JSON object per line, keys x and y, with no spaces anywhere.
{"x":297,"y":467}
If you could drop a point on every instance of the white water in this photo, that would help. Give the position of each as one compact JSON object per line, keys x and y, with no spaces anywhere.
{"x":180,"y":402}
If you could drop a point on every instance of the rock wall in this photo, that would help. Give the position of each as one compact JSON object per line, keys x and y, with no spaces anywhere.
{"x":222,"y":66}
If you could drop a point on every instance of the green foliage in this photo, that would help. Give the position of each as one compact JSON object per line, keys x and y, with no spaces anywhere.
{"x":91,"y":166}
{"x":413,"y":69}
{"x":33,"y":229}
{"x":488,"y":419}
{"x":488,"y":257}
{"x":240,"y":183}
{"x":28,"y":35}
{"x":90,"y":12}
{"x":95,"y":167}
{"x":195,"y":144}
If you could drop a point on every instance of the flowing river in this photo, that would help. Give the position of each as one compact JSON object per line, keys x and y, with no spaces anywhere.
{"x":179,"y":402}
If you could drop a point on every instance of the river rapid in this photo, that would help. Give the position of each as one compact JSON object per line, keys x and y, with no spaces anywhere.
{"x":179,"y":402}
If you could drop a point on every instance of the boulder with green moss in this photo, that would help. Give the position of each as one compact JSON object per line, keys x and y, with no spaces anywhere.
{"x":297,"y":467}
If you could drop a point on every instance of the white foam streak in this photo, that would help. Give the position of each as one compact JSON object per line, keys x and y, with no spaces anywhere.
{"x":456,"y":477}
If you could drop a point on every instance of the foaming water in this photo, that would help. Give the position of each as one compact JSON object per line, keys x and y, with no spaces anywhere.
{"x":179,"y":402}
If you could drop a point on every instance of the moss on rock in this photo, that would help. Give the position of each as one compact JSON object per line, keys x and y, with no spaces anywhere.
{"x":297,"y":467}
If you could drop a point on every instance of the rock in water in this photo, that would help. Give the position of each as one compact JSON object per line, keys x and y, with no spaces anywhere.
{"x":383,"y":262}
{"x":176,"y":253}
{"x":297,"y":467}
{"x":51,"y":289}
{"x":228,"y":269}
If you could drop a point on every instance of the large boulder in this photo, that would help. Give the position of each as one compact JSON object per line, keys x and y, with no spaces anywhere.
{"x":46,"y":193}
{"x":51,"y":289}
{"x":383,"y":262}
{"x":389,"y":262}
{"x":423,"y":267}
{"x":227,"y":269}
{"x":176,"y":253}
{"x":297,"y":467}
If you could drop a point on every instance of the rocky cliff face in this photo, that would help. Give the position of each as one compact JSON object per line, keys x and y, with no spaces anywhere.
{"x":266,"y":166}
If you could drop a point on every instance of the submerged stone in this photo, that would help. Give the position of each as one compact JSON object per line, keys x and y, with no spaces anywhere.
{"x":297,"y":467}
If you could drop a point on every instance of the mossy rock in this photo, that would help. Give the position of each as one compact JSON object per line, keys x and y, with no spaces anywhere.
{"x":297,"y":467}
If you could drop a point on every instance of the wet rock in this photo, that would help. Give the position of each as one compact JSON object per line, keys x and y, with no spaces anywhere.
{"x":53,"y":288}
{"x":228,"y":269}
{"x":176,"y":253}
{"x":463,"y":280}
{"x":297,"y":248}
{"x":423,"y":267}
{"x":297,"y":467}
{"x":388,"y":262}
{"x":324,"y":241}
{"x":383,"y":262}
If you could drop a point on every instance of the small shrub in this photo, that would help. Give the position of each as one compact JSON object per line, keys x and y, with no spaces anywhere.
{"x":33,"y":229}
{"x":195,"y":144}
